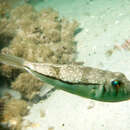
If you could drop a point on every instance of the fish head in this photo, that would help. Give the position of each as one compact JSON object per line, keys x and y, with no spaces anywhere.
{"x":115,"y":88}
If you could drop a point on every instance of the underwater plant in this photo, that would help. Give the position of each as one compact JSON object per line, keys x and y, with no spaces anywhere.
{"x":4,"y":8}
{"x":22,"y":82}
{"x":11,"y":113}
{"x":38,"y":37}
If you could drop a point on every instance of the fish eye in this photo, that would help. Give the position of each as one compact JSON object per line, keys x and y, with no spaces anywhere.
{"x":116,"y":83}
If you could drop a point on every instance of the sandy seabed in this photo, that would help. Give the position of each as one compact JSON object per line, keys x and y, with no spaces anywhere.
{"x":105,"y":24}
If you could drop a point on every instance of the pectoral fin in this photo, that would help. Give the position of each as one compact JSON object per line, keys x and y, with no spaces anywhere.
{"x":99,"y":91}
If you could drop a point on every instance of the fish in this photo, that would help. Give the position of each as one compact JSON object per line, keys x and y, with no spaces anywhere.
{"x":84,"y":81}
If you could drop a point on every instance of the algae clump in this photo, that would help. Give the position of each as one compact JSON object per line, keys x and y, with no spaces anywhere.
{"x":38,"y":37}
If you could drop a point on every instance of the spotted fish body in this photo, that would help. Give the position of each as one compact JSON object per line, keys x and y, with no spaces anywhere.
{"x":87,"y":82}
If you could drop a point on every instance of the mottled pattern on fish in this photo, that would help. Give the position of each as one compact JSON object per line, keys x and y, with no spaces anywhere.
{"x":69,"y":73}
{"x":76,"y":73}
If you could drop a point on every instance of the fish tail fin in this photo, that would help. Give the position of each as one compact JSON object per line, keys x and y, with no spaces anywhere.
{"x":12,"y":60}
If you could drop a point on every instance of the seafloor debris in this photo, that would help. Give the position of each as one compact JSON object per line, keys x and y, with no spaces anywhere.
{"x":51,"y":128}
{"x":125,"y":46}
{"x":38,"y":37}
{"x":91,"y":105}
{"x":30,"y":125}
{"x":11,"y":113}
{"x":109,"y":52}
